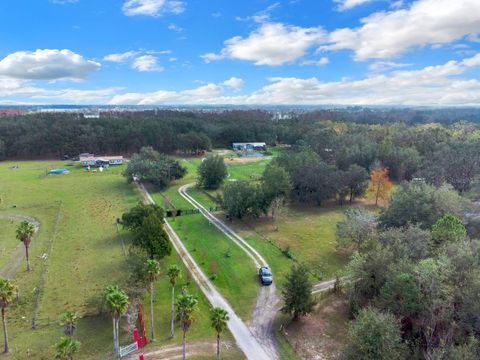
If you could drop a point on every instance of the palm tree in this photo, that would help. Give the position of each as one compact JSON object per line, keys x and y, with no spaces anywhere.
{"x":25,"y":231}
{"x":7,"y":294}
{"x":219,"y":318}
{"x":173,"y":274}
{"x":69,"y":321}
{"x":117,"y":304}
{"x":186,"y":305}
{"x":152,"y":270}
{"x":66,"y":348}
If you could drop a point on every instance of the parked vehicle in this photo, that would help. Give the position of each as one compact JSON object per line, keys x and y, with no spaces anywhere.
{"x":265,"y":275}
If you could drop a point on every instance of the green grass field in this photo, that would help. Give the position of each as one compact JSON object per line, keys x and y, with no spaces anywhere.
{"x":309,"y":232}
{"x":77,"y":214}
{"x":8,"y":242}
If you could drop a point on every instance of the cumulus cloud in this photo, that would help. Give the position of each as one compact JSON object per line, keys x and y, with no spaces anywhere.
{"x":270,"y":44}
{"x":152,"y":7}
{"x":388,"y":34}
{"x":235,"y":83}
{"x":120,"y":57}
{"x":350,"y":4}
{"x":146,"y":63}
{"x":432,"y":85}
{"x":25,"y":88}
{"x":47,"y":64}
{"x":76,"y":96}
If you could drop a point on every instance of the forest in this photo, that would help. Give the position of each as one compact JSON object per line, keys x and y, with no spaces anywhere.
{"x":357,"y":135}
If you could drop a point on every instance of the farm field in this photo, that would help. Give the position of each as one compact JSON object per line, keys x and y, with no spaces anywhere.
{"x":83,"y":254}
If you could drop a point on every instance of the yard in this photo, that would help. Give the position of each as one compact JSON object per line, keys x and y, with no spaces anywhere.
{"x":76,"y":253}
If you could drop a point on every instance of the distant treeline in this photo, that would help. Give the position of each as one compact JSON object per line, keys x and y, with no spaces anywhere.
{"x":345,"y":133}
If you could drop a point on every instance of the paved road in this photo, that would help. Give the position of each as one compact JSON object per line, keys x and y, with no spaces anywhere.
{"x":266,"y":307}
{"x":244,"y":338}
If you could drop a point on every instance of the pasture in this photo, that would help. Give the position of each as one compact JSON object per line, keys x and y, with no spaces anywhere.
{"x":77,"y":252}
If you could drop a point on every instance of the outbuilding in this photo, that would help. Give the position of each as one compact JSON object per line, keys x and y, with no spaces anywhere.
{"x":249,"y":146}
{"x":97,"y":161}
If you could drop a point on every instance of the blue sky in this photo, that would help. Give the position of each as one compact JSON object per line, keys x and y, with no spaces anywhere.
{"x":317,"y":52}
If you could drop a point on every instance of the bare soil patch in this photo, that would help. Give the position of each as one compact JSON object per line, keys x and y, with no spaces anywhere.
{"x":243,"y":160}
{"x":322,"y":334}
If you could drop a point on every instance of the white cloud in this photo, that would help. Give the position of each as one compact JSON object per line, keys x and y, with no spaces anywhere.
{"x":175,"y":28}
{"x":381,"y":66}
{"x":120,"y":57}
{"x":77,"y":96}
{"x":270,"y":44}
{"x":397,"y":4}
{"x":344,"y":5}
{"x":388,"y":34}
{"x":201,"y":95}
{"x":433,"y":85}
{"x":322,"y":61}
{"x":474,"y":37}
{"x":20,"y":88}
{"x":261,"y":16}
{"x":152,"y":7}
{"x":146,"y":63}
{"x":235,"y":83}
{"x":47,"y":64}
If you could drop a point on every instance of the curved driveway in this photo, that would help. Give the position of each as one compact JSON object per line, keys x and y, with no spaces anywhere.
{"x":244,"y":338}
{"x":267,"y":301}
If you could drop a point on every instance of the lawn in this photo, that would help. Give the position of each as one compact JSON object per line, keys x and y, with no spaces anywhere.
{"x":246,"y":171}
{"x":308,"y":232}
{"x":77,"y":213}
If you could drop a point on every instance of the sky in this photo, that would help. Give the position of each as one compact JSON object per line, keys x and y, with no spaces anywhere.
{"x":248,"y":52}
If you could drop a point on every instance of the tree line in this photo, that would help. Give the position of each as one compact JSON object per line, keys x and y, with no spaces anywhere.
{"x":399,"y":138}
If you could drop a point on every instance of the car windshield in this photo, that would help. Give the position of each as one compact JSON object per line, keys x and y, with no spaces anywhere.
{"x":266,"y":272}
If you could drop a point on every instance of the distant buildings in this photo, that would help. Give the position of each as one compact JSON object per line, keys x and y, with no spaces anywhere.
{"x":251,"y":146}
{"x":11,"y":112}
{"x":87,"y":159}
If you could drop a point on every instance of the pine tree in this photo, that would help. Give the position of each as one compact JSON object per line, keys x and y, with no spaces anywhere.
{"x":297,"y":292}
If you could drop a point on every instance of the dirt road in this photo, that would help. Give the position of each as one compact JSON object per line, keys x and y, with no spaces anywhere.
{"x":245,"y":339}
{"x":267,"y":301}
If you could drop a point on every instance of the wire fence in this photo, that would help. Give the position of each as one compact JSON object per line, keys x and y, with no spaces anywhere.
{"x":41,"y":284}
